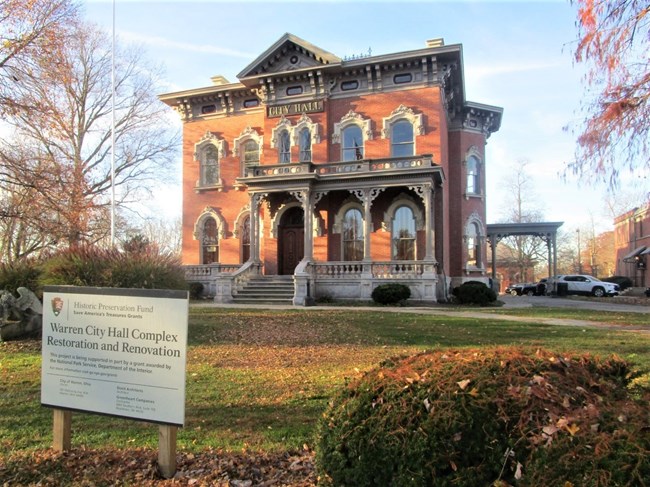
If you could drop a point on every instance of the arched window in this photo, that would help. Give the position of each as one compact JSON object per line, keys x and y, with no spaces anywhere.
{"x":352,"y":143}
{"x":353,"y":235}
{"x":473,"y":176}
{"x":209,"y":161}
{"x":403,"y":234}
{"x":305,"y":145}
{"x":284,"y":147}
{"x":401,"y":139}
{"x":251,"y":153}
{"x":209,"y":242}
{"x":245,"y":232}
{"x":473,"y":245}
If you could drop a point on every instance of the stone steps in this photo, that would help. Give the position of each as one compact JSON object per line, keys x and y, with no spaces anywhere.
{"x":266,"y":290}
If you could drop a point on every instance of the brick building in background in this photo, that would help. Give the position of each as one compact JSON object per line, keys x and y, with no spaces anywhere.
{"x":632,"y":245}
{"x":342,"y":174}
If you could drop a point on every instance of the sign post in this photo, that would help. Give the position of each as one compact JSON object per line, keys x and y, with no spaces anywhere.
{"x":119,"y":352}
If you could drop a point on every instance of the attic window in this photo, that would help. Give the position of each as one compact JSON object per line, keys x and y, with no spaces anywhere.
{"x":349,"y":85}
{"x":293,"y":59}
{"x":208,"y":109}
{"x":294,"y":90}
{"x":253,"y":102}
{"x":402,"y":78}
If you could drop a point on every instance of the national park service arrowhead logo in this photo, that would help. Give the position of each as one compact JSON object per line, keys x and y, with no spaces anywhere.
{"x":57,"y":306}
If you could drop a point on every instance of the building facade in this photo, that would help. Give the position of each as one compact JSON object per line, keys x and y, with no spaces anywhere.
{"x":632,"y":244}
{"x":342,"y":173}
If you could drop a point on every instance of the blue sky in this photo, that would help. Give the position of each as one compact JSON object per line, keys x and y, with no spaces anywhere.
{"x":517,"y":55}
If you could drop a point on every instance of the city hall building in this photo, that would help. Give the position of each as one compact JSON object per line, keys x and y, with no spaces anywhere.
{"x":334,"y":176}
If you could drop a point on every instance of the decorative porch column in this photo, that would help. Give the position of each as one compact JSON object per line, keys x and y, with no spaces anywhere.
{"x":256,"y":199}
{"x":366,"y":196}
{"x":425,"y":191}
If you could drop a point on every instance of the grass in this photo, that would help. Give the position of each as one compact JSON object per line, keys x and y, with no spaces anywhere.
{"x":259,"y":380}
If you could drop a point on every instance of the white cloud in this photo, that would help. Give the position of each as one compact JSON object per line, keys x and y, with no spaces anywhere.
{"x":164,"y":43}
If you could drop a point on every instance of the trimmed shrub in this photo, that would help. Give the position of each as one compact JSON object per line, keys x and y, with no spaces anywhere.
{"x":622,"y":281}
{"x":25,"y":273}
{"x":196,"y":290}
{"x":391,"y":293}
{"x":95,"y":267}
{"x":474,"y":292}
{"x":493,"y":417}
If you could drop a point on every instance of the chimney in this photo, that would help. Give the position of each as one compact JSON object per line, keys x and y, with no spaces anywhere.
{"x":219,"y":80}
{"x":438,"y":42}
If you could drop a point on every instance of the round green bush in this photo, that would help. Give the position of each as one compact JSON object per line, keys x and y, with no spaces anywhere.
{"x":391,"y":293}
{"x":474,"y":292}
{"x":494,"y":417}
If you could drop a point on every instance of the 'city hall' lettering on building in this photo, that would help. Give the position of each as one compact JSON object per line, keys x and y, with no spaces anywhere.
{"x":296,"y":108}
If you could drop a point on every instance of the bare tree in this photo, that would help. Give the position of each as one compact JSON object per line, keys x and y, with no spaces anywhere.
{"x":520,"y":255}
{"x":61,"y":148}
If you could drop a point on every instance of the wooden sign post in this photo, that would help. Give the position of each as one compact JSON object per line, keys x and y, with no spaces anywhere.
{"x":167,"y":450}
{"x":61,"y":431}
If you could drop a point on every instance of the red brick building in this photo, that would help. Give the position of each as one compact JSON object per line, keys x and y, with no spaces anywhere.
{"x":632,"y":244}
{"x":342,"y":173}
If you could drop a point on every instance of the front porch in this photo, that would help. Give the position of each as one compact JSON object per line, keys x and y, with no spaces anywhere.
{"x":353,"y":281}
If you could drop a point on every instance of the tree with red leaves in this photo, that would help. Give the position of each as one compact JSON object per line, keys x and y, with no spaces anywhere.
{"x":614,"y":36}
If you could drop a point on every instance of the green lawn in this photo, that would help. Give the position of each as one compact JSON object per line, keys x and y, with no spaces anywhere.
{"x":259,"y":380}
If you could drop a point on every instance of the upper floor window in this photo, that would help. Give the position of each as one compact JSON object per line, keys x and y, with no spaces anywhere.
{"x":209,"y":166}
{"x":208,"y":153}
{"x":352,"y":235}
{"x":401,"y":140}
{"x":251,"y":153}
{"x":402,"y":78}
{"x":284,"y":147}
{"x":403,"y":234}
{"x":352,"y":143}
{"x":473,"y":175}
{"x":305,"y":145}
{"x":349,"y":85}
{"x":294,"y":90}
{"x":251,"y":103}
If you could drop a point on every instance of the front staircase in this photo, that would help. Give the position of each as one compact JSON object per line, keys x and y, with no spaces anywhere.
{"x":266,"y":290}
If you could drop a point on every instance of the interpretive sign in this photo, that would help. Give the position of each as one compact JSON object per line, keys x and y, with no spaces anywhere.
{"x":113,"y":351}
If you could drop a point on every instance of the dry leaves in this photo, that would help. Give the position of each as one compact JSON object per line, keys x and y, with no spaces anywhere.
{"x":114,"y":467}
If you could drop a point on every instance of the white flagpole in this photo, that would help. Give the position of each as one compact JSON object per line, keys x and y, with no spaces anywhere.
{"x":113,"y":133}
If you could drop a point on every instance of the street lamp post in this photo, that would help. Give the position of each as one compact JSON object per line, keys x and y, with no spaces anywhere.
{"x":579,"y":258}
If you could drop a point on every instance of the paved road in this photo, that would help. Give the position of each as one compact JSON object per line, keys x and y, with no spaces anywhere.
{"x":598,"y":304}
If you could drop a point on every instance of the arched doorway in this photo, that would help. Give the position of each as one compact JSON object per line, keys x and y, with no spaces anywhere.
{"x":291,"y":240}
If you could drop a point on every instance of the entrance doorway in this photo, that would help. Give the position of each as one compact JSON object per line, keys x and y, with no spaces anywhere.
{"x":291,"y":240}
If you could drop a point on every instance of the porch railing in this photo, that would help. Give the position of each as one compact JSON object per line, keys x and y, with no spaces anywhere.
{"x":337,"y":168}
{"x":206,"y":271}
{"x":377,"y":270}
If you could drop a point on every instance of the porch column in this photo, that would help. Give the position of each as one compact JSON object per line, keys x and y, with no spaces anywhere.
{"x":366,"y":196}
{"x":428,"y":222}
{"x":305,"y":199}
{"x":256,"y":198}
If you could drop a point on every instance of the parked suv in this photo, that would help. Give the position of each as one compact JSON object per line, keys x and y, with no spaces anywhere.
{"x":581,"y":284}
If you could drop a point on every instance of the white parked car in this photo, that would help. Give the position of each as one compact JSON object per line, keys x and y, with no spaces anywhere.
{"x":581,"y":284}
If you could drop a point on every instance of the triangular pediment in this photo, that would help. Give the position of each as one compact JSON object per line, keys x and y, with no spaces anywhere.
{"x":289,"y":53}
